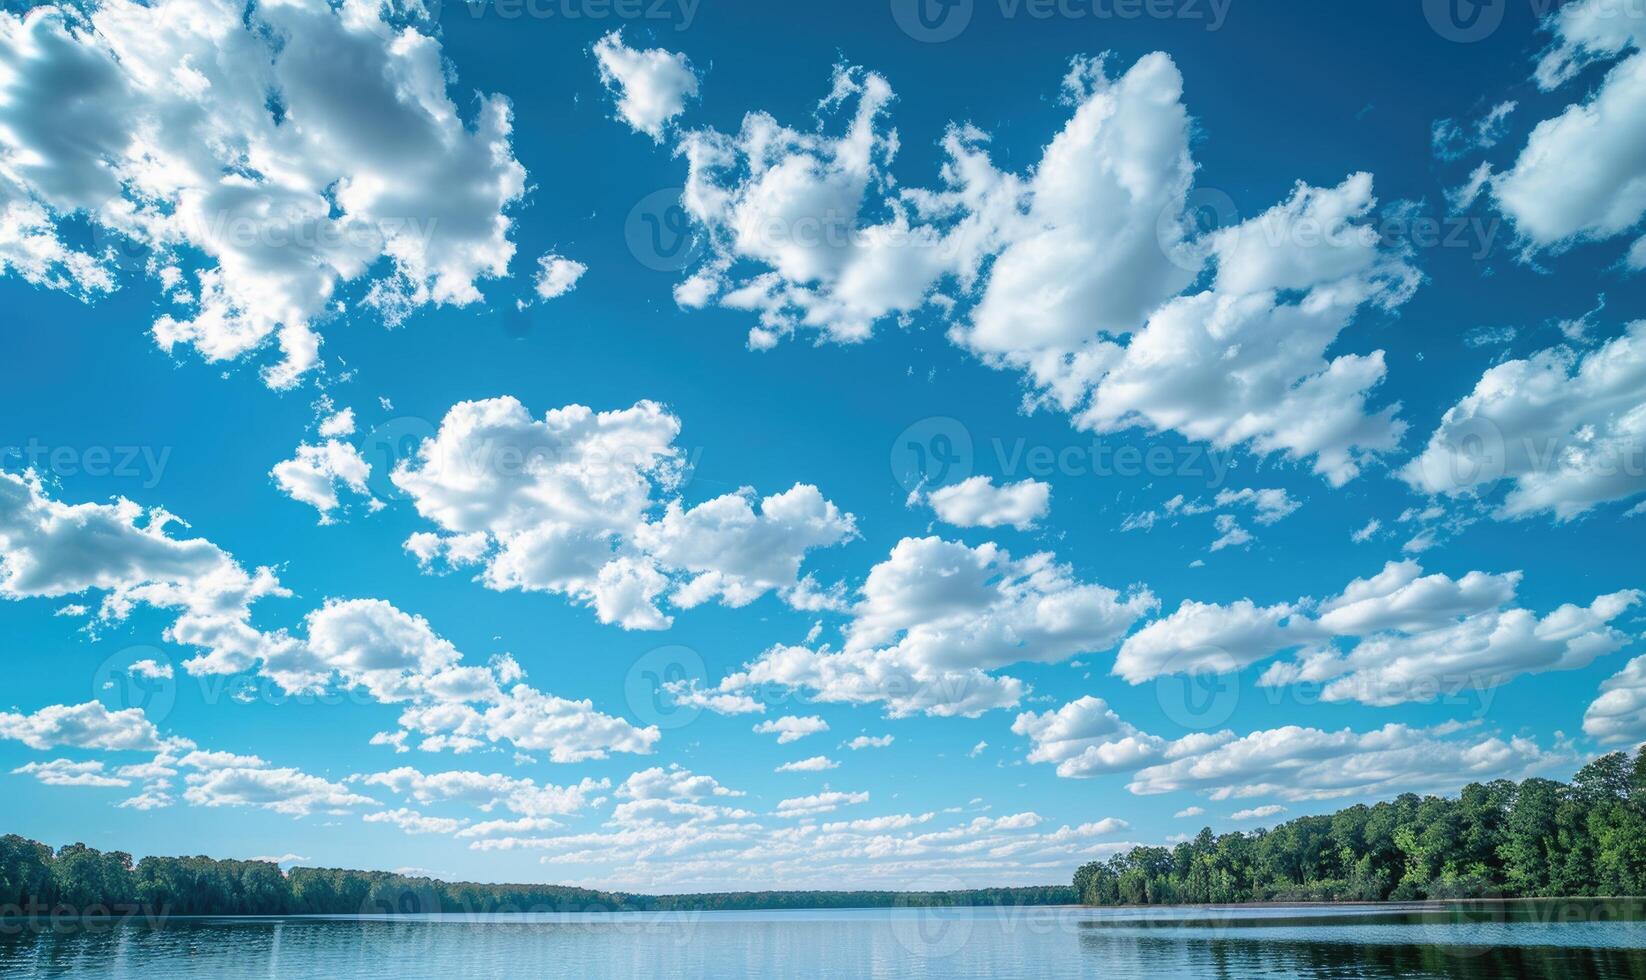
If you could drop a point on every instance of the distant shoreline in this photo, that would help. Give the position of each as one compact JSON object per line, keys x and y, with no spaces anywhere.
{"x":149,"y":913}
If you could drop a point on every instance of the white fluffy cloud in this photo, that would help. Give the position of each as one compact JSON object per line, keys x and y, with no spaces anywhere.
{"x":673,"y":783}
{"x":936,"y":617}
{"x":729,"y":549}
{"x":1097,"y":249}
{"x":488,"y":791}
{"x":265,"y":158}
{"x":808,"y":207}
{"x":317,"y":471}
{"x":792,"y":728}
{"x":51,"y":549}
{"x":977,"y":502}
{"x":531,"y":721}
{"x":651,"y":85}
{"x":1296,"y":763}
{"x":1074,"y":273}
{"x":1258,"y":812}
{"x":1619,"y":713}
{"x":564,"y":505}
{"x":1204,"y":637}
{"x":1086,"y":738}
{"x":826,"y":802}
{"x":413,"y":822}
{"x":1582,"y":176}
{"x":1245,"y":361}
{"x":287,"y":791}
{"x":81,"y":726}
{"x":556,"y":276}
{"x":64,"y":772}
{"x":816,"y":763}
{"x":1414,"y":637}
{"x":394,"y":655}
{"x":1564,"y":430}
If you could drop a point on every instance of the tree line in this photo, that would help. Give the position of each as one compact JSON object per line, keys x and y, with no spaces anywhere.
{"x":1537,"y":838}
{"x":37,"y":882}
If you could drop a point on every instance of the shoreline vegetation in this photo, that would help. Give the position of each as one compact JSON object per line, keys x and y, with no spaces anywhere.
{"x":80,"y":881}
{"x":1499,"y":841}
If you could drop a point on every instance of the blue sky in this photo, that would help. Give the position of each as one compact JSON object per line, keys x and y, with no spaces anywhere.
{"x":1073,"y":470}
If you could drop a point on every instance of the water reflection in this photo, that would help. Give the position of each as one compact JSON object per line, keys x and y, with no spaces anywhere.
{"x":1458,"y":943}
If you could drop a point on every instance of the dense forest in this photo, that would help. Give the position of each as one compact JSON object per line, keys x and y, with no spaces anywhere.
{"x":1499,"y":839}
{"x":37,"y":882}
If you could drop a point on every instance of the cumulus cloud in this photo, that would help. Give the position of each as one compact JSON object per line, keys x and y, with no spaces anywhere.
{"x":413,"y":822}
{"x":1618,"y":714}
{"x":731,"y":550}
{"x":556,"y":276}
{"x":1411,"y":636}
{"x":394,"y":655}
{"x":673,"y":783}
{"x":1581,"y":177}
{"x":317,"y":472}
{"x":1078,"y":273}
{"x":275,"y":163}
{"x":1297,"y":763}
{"x":1204,"y":637}
{"x":816,"y":763}
{"x":1086,"y":738}
{"x":287,"y":791}
{"x":82,"y":726}
{"x":792,"y":728}
{"x":51,"y":549}
{"x":651,"y":85}
{"x":1564,"y":430}
{"x":977,"y":502}
{"x":489,"y":791}
{"x":936,"y":617}
{"x":531,"y":721}
{"x":65,"y":772}
{"x":807,"y":206}
{"x":810,"y":806}
{"x":565,"y":505}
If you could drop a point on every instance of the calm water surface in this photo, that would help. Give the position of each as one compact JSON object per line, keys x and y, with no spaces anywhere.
{"x":1566,"y":940}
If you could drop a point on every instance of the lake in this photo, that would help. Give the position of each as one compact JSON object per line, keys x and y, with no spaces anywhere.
{"x":1564,"y":940}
